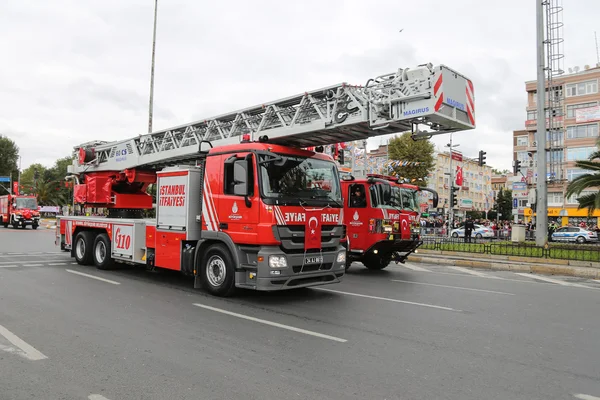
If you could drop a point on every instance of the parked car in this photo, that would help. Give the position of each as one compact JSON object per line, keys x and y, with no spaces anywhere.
{"x":479,"y":232}
{"x":574,"y":234}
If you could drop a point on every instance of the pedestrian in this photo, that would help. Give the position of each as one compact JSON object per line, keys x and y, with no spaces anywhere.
{"x":469,"y":227}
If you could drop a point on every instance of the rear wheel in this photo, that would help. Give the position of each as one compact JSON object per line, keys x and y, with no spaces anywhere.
{"x":218,"y":271}
{"x":580,"y":239}
{"x":455,"y":235}
{"x":479,"y":236}
{"x":101,"y":254}
{"x":84,"y":242}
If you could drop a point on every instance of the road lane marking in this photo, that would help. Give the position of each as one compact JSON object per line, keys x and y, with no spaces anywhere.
{"x":271,"y":323}
{"x":93,"y":277}
{"x":9,"y":266}
{"x":556,"y":281}
{"x":392,"y":300}
{"x":33,"y":265}
{"x":586,"y":397}
{"x":59,"y":263}
{"x":27,"y":350}
{"x":6,"y":255}
{"x":453,"y":287}
{"x":96,"y":397}
{"x":413,"y":267}
{"x":24,"y":262}
{"x":472,"y":272}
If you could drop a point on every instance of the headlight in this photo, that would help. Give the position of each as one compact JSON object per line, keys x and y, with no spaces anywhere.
{"x":277,"y":262}
{"x":387,"y":229}
{"x":341,"y":257}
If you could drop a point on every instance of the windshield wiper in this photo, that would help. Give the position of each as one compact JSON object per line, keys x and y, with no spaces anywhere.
{"x":337,"y":203}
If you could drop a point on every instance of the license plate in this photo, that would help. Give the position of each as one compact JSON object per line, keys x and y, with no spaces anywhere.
{"x":313,"y":260}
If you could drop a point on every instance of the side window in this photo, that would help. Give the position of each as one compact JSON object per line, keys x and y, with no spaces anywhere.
{"x":356,"y":196}
{"x":233,"y":175}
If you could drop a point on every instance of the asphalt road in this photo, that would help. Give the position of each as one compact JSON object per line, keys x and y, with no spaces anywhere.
{"x":410,"y":332}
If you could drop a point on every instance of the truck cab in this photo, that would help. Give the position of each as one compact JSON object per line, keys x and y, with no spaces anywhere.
{"x":381,"y":218}
{"x":19,"y":211}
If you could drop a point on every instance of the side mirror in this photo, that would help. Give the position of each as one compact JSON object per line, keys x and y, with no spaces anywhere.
{"x":240,"y":178}
{"x":435,"y":196}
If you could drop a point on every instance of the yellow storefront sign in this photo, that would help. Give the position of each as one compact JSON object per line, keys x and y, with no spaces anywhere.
{"x":565,"y":213}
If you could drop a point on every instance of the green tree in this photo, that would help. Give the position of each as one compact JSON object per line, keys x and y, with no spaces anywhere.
{"x":499,"y":172}
{"x":404,"y":148}
{"x":9,"y":156}
{"x":586,"y":182}
{"x":503,"y":204}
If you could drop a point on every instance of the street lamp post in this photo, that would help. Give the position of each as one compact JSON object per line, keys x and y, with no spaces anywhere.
{"x":451,"y":186}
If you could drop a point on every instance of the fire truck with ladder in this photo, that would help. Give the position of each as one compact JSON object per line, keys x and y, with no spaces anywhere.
{"x":381,"y":218}
{"x":236,"y":204}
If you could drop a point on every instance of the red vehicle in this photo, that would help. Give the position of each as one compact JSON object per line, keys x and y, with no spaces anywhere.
{"x":381,"y":217}
{"x":19,"y":211}
{"x":255,"y":211}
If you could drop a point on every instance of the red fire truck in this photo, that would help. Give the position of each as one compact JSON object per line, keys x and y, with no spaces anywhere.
{"x":381,"y":217}
{"x":238,"y":202}
{"x":19,"y":211}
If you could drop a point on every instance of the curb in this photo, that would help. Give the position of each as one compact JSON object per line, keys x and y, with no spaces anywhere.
{"x":587,"y":271}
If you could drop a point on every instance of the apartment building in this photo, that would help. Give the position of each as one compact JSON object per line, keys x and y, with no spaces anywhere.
{"x":572,"y":135}
{"x":476,"y":191}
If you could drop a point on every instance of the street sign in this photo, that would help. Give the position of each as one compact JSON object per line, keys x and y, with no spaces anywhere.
{"x":515,"y":203}
{"x":4,"y":178}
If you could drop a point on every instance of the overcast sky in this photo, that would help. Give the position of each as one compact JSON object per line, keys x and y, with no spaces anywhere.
{"x":78,"y":70}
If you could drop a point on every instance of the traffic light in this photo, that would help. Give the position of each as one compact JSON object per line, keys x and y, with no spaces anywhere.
{"x":341,"y":157}
{"x":482,"y":158}
{"x":516,"y":166}
{"x":453,"y":199}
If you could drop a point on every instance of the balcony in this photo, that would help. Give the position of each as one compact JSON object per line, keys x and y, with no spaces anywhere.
{"x":531,"y":124}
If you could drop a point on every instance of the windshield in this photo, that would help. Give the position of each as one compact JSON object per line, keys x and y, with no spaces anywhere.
{"x":410,"y":199}
{"x":400,"y":199}
{"x":299,"y":178}
{"x":28,"y":203}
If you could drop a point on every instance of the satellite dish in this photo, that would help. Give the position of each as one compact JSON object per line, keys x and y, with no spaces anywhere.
{"x":576,"y":69}
{"x":586,"y":67}
{"x":570,"y":70}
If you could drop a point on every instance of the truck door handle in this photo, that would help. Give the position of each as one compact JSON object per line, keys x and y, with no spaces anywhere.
{"x":223,"y":225}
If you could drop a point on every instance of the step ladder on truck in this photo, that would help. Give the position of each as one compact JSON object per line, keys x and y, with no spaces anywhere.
{"x":381,"y":217}
{"x":235,"y":203}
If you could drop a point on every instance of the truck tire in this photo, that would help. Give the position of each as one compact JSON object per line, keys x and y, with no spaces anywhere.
{"x":376,"y":262}
{"x":34,"y":226}
{"x":101,"y":252}
{"x":218,"y":272}
{"x":84,"y":242}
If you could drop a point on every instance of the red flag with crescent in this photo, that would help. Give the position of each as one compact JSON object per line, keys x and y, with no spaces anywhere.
{"x":16,"y":188}
{"x":459,"y":176}
{"x":312,"y":230}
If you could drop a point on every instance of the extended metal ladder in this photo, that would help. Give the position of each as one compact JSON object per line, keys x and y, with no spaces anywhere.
{"x":437,"y":97}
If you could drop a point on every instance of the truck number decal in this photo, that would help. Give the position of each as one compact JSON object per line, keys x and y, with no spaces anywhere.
{"x":123,"y":241}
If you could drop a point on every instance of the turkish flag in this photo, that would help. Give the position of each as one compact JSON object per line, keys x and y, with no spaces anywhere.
{"x":312,"y":230}
{"x":16,"y":188}
{"x":459,"y":176}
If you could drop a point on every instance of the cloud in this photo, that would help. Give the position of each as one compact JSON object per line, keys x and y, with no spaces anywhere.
{"x":75,"y":71}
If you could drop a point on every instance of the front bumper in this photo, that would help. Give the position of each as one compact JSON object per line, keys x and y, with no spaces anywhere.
{"x":23,"y":221}
{"x":296,"y":274}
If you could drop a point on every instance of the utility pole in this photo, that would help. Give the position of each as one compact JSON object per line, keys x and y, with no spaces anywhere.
{"x":541,"y":237}
{"x":151,"y":106}
{"x":451,"y":186}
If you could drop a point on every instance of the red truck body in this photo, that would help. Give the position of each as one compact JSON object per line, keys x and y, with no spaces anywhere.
{"x":383,"y":227}
{"x":243,"y":217}
{"x":19,"y":211}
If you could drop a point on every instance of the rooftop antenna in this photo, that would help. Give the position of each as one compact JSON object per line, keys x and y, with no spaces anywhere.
{"x":597,"y":50}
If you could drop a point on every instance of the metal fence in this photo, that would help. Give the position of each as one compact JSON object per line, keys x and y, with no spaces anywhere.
{"x":576,"y":252}
{"x":501,"y":234}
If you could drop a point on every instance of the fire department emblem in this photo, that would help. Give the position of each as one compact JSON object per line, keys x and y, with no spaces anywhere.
{"x":234,"y":209}
{"x":356,"y":215}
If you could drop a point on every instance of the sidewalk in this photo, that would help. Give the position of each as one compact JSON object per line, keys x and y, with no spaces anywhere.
{"x":548,"y":266}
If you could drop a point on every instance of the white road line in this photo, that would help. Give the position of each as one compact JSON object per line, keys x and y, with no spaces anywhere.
{"x":413,"y":267}
{"x":96,"y":397}
{"x":556,"y":281}
{"x":93,"y":277}
{"x":586,"y":397}
{"x":276,"y":324}
{"x":33,"y":265}
{"x":27,"y":350}
{"x":472,"y":272}
{"x":392,"y":300}
{"x":6,"y":255}
{"x":60,"y":263}
{"x":453,"y":287}
{"x":8,"y":266}
{"x":25,"y":262}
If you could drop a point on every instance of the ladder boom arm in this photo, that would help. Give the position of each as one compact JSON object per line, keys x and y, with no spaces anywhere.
{"x":437,"y":97}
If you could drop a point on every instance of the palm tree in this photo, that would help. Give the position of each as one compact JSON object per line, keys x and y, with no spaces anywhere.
{"x":592,"y":180}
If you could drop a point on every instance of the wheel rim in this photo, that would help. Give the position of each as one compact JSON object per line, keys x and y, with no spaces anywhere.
{"x":100,"y":252}
{"x":216,"y":271}
{"x":80,"y":248}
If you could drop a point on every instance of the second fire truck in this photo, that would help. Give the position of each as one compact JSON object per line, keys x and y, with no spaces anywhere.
{"x":238,"y":202}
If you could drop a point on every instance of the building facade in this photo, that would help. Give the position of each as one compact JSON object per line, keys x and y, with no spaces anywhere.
{"x":475,"y":193}
{"x":571,"y":135}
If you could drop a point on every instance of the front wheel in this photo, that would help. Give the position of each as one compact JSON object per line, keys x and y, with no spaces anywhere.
{"x":376,"y":261}
{"x":34,"y":226}
{"x":580,"y":239}
{"x":101,"y":254}
{"x":479,"y":236}
{"x":218,"y":271}
{"x":455,"y":235}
